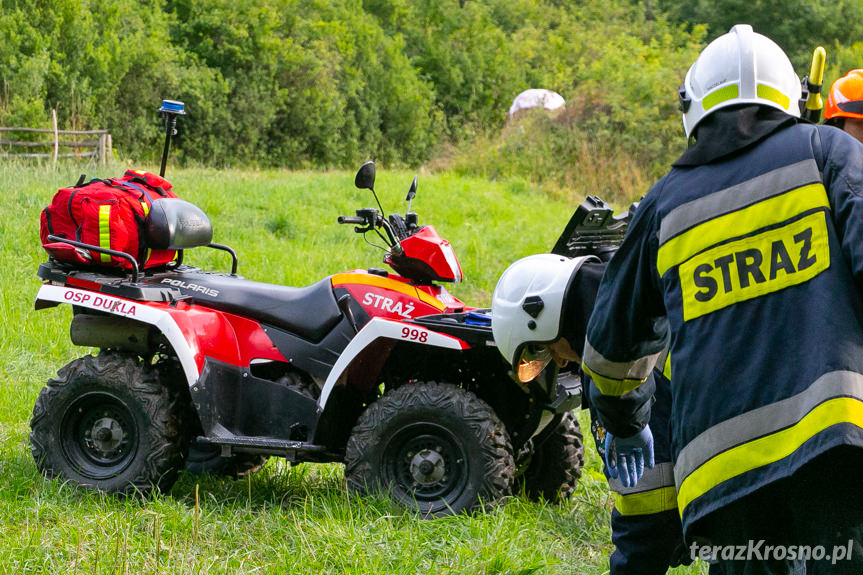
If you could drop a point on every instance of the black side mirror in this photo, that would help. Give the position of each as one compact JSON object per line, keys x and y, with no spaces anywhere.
{"x":366,"y":177}
{"x":412,"y":191}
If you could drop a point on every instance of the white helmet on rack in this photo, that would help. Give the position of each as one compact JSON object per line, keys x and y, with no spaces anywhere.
{"x":527,"y":309}
{"x":740,"y":67}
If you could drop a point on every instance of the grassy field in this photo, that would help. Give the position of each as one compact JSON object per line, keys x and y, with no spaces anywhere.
{"x":283,"y":519}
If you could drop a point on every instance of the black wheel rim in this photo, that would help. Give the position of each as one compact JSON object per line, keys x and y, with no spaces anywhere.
{"x":99,"y":435}
{"x":428,"y":464}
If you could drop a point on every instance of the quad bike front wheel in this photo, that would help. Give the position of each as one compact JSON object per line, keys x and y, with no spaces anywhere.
{"x":555,"y":464}
{"x":107,"y":423}
{"x":433,"y":447}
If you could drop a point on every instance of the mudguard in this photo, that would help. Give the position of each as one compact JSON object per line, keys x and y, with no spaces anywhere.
{"x":382,"y":328}
{"x":194,"y":332}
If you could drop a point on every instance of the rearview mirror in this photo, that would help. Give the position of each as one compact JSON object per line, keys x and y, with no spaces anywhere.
{"x":366,"y":177}
{"x":412,"y":191}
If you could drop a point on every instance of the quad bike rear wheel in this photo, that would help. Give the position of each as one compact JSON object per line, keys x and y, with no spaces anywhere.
{"x":107,"y":423}
{"x":434,"y":447}
{"x":555,"y":464}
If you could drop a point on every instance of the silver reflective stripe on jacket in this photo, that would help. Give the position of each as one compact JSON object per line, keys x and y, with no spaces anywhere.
{"x":764,"y":420}
{"x":637,"y":369}
{"x":768,"y":434}
{"x":660,"y":475}
{"x":731,"y":199}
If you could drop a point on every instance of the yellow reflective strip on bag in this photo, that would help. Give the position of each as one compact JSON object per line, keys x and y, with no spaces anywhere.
{"x":105,"y":232}
{"x":609,"y":386}
{"x":741,"y":222}
{"x":146,"y":207}
{"x":646,"y":502}
{"x":768,"y":449}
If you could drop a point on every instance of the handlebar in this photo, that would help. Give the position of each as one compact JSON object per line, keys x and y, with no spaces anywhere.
{"x":370,"y":219}
{"x":356,"y":220}
{"x":394,"y":226}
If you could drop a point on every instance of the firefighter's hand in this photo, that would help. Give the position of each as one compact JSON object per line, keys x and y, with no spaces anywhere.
{"x":626,"y":457}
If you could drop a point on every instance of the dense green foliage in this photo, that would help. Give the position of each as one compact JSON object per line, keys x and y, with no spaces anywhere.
{"x":330,"y":83}
{"x":796,"y":25}
{"x":327,"y":83}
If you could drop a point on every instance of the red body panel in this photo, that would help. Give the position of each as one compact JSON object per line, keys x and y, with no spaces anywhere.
{"x":220,"y":335}
{"x":427,"y":246}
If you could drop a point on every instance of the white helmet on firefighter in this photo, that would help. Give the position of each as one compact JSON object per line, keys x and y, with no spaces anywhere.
{"x":527,"y":309}
{"x":740,"y":67}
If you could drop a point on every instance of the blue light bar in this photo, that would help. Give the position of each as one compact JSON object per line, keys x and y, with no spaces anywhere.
{"x":173,"y":107}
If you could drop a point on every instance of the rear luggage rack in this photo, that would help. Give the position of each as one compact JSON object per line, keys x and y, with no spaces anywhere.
{"x":110,"y":284}
{"x":134,"y":263}
{"x":113,"y":253}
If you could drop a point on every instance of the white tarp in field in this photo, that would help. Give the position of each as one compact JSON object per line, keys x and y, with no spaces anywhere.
{"x":537,"y":98}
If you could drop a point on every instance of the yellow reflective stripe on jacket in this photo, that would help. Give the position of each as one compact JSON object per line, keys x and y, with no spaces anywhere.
{"x":755,"y":266}
{"x":768,"y":212}
{"x":764,"y":420}
{"x":105,"y":231}
{"x":769,"y":449}
{"x":738,"y":196}
{"x":617,"y":377}
{"x":610,"y":386}
{"x":654,"y":492}
{"x":647,"y":502}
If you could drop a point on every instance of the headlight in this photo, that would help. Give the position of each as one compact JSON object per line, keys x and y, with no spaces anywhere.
{"x":531,"y":362}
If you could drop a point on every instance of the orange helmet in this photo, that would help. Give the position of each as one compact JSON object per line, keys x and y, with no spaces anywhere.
{"x":845,"y":99}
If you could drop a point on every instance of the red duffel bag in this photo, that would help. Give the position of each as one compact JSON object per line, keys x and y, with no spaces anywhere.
{"x":108,"y":214}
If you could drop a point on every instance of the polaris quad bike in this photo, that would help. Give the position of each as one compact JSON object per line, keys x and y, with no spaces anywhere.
{"x":385,"y":372}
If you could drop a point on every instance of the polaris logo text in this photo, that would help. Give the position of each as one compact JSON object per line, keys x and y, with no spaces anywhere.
{"x":388,"y":305}
{"x":99,"y":302}
{"x":192,"y":287}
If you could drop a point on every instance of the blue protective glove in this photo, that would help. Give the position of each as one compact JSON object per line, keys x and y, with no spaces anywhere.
{"x":627,"y":456}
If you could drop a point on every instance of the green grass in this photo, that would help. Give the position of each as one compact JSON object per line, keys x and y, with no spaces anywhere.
{"x":284,"y":519}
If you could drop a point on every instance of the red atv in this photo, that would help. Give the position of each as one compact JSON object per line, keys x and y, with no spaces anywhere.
{"x":386,"y":372}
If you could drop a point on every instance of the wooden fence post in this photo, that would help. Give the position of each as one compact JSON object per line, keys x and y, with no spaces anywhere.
{"x":56,"y":135}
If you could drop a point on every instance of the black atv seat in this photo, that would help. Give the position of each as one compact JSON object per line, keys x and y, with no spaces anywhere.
{"x":309,"y":312}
